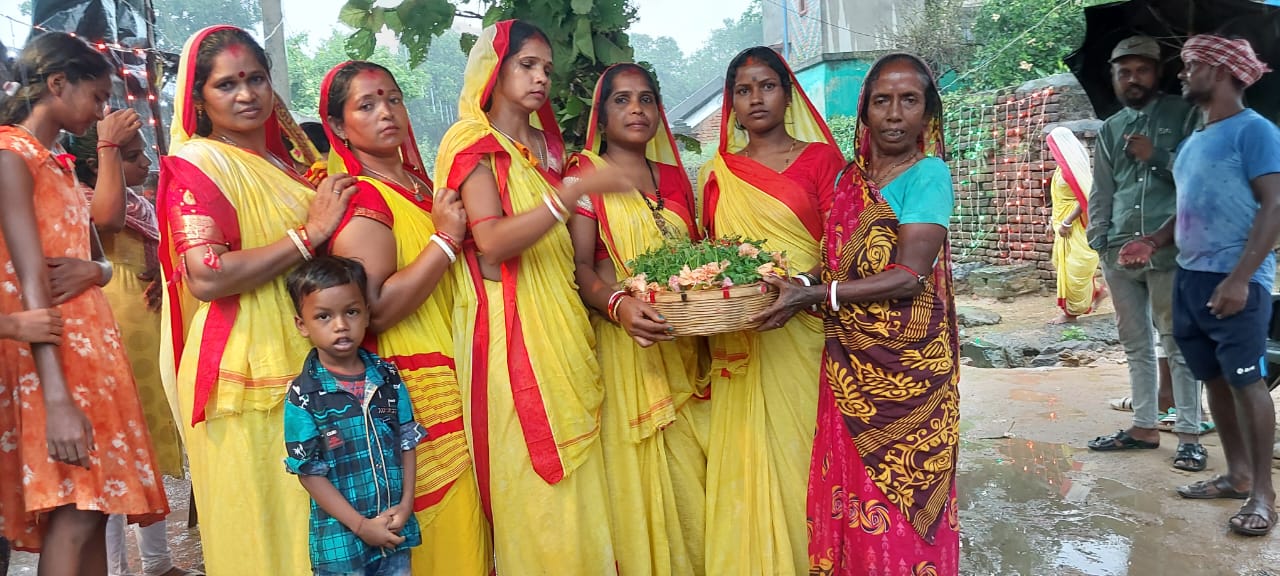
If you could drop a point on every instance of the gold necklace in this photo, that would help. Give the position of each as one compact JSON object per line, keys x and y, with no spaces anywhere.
{"x":786,"y":159}
{"x":271,"y":158}
{"x":891,"y":169}
{"x":417,"y":190}
{"x":542,"y":158}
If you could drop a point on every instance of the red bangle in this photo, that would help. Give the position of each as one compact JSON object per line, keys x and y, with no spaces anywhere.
{"x":919,"y":277}
{"x":453,"y":243}
{"x":615,"y":300}
{"x":107,"y":144}
{"x":306,"y":240}
{"x":479,"y":221}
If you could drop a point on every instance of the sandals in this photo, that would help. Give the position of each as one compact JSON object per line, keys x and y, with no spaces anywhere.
{"x":1191,"y":457}
{"x":1120,"y":441}
{"x":1251,"y":509}
{"x":1217,"y":487}
{"x":1167,"y":420}
{"x":1122,"y":404}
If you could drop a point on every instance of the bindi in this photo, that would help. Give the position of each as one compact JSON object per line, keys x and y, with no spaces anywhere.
{"x":242,"y":73}
{"x":379,"y":91}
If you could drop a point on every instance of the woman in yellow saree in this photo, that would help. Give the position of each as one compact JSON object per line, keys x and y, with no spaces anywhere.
{"x":1079,"y":288}
{"x":525,"y":360}
{"x":406,"y":239}
{"x":655,"y":416}
{"x":235,"y":218}
{"x":772,"y":178}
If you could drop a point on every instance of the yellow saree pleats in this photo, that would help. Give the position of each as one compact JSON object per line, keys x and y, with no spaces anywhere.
{"x":253,"y":514}
{"x":764,"y":398}
{"x":455,"y":534}
{"x":526,"y":361}
{"x":654,"y":461}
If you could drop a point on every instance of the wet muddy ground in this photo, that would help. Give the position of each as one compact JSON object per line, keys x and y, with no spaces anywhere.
{"x":1034,"y":501}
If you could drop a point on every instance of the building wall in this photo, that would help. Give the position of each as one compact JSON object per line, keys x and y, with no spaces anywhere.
{"x":834,"y":85}
{"x":862,"y":25}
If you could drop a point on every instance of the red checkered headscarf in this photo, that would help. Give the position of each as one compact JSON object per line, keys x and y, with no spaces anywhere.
{"x":1237,"y":55}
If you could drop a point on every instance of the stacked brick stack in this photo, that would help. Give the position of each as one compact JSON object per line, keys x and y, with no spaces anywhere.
{"x":1003,"y":169}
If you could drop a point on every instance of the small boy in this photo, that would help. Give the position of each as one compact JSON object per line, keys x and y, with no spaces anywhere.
{"x":349,"y":430}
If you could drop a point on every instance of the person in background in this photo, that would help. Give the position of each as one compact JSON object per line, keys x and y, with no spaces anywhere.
{"x":76,"y":449}
{"x":1079,"y":288}
{"x":1133,"y":195}
{"x":360,"y":475}
{"x":772,"y":178}
{"x":316,"y":133}
{"x":110,"y":160}
{"x":1225,"y":228}
{"x":654,"y":409}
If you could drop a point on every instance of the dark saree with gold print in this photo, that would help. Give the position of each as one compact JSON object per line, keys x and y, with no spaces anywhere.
{"x":882,"y":478}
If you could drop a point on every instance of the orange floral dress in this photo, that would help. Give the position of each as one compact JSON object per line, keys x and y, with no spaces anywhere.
{"x":122,"y":477}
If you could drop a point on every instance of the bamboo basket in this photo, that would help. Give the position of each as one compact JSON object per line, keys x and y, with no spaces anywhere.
{"x":706,"y":312}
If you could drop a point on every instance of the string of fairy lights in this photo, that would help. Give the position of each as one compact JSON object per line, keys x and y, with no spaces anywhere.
{"x":1001,"y":179}
{"x":141,"y":84}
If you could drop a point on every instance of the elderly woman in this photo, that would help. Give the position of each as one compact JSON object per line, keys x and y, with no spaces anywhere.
{"x":882,"y":477}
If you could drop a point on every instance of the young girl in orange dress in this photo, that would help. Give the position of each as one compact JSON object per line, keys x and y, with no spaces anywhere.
{"x":407,"y":237}
{"x":73,"y":441}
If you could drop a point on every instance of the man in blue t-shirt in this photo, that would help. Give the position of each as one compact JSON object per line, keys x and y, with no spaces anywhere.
{"x":1226,"y":225}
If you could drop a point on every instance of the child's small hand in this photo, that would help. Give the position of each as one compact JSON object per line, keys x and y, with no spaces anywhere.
{"x":376,"y":532}
{"x":399,"y":516}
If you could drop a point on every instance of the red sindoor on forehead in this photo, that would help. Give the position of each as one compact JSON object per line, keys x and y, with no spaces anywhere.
{"x":379,"y":91}
{"x":242,"y":73}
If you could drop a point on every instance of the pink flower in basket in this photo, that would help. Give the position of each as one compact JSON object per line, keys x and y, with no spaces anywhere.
{"x":766,"y":269}
{"x":637,"y":284}
{"x":748,"y":250}
{"x":674,"y":283}
{"x":727,"y":282}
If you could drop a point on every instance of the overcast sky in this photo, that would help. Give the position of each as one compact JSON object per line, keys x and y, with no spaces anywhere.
{"x":688,"y":21}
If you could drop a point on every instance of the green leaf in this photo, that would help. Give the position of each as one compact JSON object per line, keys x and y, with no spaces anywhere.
{"x":467,"y":41}
{"x":393,"y":22}
{"x":582,"y":7}
{"x":355,"y":13}
{"x":609,"y":53}
{"x":360,"y":44}
{"x":582,"y":39}
{"x":689,"y":143}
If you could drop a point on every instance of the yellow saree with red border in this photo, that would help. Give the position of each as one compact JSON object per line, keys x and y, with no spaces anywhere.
{"x":525,"y":356}
{"x":764,"y":386}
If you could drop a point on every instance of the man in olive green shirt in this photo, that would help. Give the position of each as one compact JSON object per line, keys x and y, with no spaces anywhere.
{"x":1133,"y":195}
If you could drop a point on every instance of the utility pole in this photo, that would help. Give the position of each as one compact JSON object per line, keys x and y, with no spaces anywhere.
{"x":273,"y":27}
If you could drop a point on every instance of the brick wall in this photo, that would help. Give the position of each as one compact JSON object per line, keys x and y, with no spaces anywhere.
{"x":1003,"y":168}
{"x":708,"y":131}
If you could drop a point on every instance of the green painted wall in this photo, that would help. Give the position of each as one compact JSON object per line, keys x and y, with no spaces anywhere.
{"x":833,"y":86}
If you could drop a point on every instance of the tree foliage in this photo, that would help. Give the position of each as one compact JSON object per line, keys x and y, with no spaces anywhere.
{"x":939,"y":32}
{"x":586,"y":37}
{"x":431,"y":92}
{"x":681,"y":75}
{"x":1021,"y":40}
{"x":177,"y":20}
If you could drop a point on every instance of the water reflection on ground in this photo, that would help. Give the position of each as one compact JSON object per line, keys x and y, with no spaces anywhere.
{"x":1025,"y":509}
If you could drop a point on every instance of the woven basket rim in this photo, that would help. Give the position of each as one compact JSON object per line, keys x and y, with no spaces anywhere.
{"x":743,"y":291}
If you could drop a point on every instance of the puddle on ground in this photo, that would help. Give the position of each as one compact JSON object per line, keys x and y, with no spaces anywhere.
{"x":1025,"y":509}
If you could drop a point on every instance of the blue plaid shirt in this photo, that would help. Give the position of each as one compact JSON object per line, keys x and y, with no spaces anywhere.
{"x":356,"y":443}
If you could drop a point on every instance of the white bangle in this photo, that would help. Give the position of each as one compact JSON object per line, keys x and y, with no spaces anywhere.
{"x":108,"y":271}
{"x":448,"y":251}
{"x":546,"y":199}
{"x":835,"y":302}
{"x":297,"y":241}
{"x":804,"y":280}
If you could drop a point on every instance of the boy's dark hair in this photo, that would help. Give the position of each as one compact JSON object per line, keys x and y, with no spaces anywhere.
{"x":321,"y":273}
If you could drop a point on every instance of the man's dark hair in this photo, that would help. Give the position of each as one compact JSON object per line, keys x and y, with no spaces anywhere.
{"x":321,"y":273}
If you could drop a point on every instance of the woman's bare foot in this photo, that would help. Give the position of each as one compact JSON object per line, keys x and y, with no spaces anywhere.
{"x":1100,"y":295}
{"x":1063,"y":318}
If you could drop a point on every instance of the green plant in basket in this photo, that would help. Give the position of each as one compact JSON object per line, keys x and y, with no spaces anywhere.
{"x":714,"y":263}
